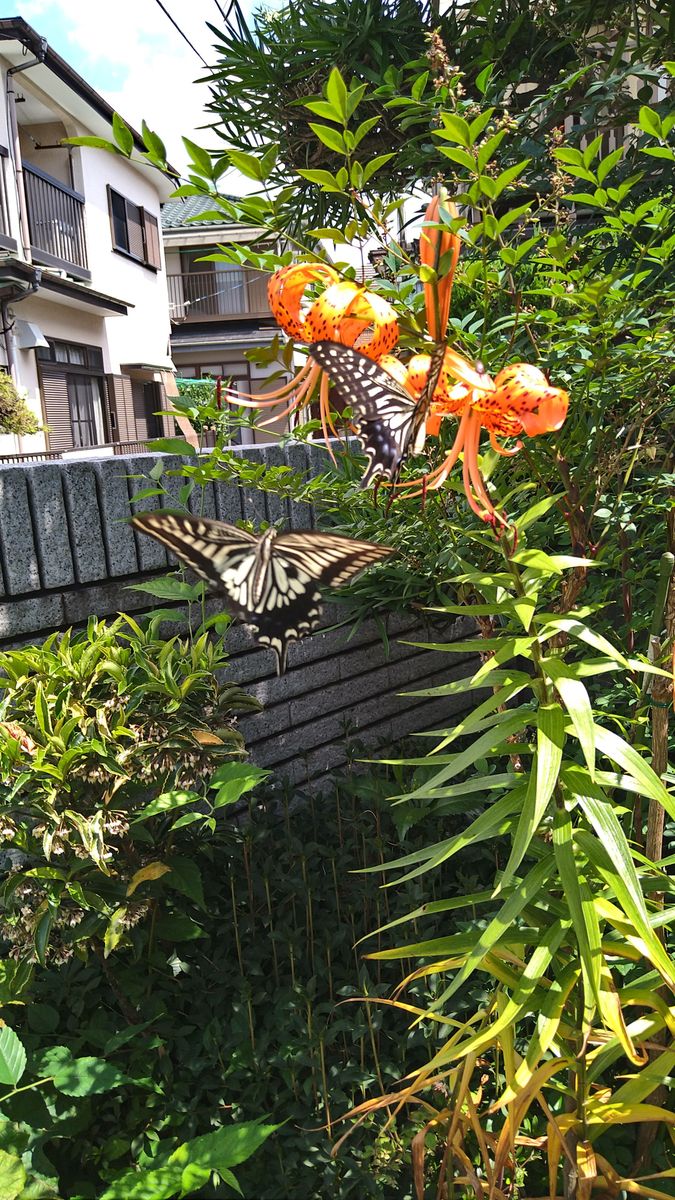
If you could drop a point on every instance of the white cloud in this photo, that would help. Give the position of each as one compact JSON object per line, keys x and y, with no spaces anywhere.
{"x":131,"y":53}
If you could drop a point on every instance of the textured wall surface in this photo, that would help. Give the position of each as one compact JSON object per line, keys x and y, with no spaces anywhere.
{"x":67,"y":551}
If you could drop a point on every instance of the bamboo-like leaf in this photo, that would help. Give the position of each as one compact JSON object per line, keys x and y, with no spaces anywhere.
{"x":657,"y":1070}
{"x":611,"y":1011}
{"x":589,"y":949}
{"x":430,"y":909}
{"x":515,"y":1005}
{"x":577,"y":703}
{"x":482,"y":745}
{"x":543,"y":779}
{"x":633,"y":905}
{"x":548,"y":1023}
{"x":493,"y":822}
{"x":480,"y":718}
{"x":526,"y":891}
{"x":554,"y":623}
{"x":627,"y":757}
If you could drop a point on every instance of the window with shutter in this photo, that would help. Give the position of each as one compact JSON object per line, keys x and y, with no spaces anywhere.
{"x":152,"y":244}
{"x":135,"y":232}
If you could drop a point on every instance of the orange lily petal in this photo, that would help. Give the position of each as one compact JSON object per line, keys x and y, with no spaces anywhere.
{"x":348,"y":314}
{"x":286,"y":289}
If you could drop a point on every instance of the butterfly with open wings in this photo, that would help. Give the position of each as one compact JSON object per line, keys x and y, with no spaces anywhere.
{"x":271,"y":581}
{"x":386,"y":419}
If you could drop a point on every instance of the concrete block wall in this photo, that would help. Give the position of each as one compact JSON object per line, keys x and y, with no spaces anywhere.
{"x":67,"y":551}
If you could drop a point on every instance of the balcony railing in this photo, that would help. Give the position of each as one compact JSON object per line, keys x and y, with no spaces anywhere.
{"x":218,"y":295}
{"x":56,"y":223}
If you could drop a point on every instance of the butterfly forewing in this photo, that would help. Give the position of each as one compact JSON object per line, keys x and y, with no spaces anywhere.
{"x":383,"y":414}
{"x":272,"y":582}
{"x":222,"y":554}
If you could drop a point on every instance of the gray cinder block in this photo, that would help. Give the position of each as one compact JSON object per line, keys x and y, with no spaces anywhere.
{"x":50,"y":525}
{"x":19,"y":556}
{"x":85,"y":521}
{"x":118,"y":534}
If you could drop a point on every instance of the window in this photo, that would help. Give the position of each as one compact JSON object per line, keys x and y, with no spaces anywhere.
{"x":134,"y":231}
{"x":71,"y":379}
{"x":86,"y":415}
{"x":71,"y":352}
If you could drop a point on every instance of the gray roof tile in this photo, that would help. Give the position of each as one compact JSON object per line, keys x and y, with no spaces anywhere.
{"x":176,"y":213}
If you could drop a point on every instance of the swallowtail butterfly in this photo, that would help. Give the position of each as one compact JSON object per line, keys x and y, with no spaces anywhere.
{"x":271,"y":581}
{"x":389,"y":423}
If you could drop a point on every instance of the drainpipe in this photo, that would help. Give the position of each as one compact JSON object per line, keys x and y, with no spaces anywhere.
{"x":16,"y":146}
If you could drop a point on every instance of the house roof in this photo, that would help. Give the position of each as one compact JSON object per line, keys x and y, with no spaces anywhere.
{"x":16,"y":30}
{"x":177,"y":213}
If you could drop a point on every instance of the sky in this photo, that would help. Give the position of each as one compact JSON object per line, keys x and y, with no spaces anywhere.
{"x":129,"y":51}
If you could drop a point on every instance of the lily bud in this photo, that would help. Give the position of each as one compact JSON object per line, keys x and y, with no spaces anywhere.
{"x":435,"y":244}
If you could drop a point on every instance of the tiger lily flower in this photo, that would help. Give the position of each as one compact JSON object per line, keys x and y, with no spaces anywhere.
{"x":518,"y":400}
{"x":344,"y":313}
{"x":437,"y":242}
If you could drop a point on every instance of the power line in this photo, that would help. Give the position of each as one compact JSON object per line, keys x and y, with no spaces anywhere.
{"x":180,"y":31}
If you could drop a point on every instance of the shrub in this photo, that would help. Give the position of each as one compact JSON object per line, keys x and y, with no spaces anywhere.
{"x":15,"y":415}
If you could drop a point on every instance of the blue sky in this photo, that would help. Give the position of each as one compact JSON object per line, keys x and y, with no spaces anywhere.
{"x":130,"y":52}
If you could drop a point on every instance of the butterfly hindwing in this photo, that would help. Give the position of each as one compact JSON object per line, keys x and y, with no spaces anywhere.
{"x":272,"y":582}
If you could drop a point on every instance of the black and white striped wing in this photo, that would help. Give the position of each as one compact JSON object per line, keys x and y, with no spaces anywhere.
{"x":225,"y":556}
{"x":386,"y":419}
{"x":300,"y":565}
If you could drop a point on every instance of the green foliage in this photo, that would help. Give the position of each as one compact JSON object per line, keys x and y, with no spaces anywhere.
{"x":15,"y":415}
{"x":259,"y":1014}
{"x":101,"y":732}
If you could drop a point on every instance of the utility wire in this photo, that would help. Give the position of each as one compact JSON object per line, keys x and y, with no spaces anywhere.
{"x":182,"y":34}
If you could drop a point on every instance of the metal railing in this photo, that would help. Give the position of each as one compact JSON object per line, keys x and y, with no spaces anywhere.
{"x":75,"y":451}
{"x":56,"y":223}
{"x":216,"y":294}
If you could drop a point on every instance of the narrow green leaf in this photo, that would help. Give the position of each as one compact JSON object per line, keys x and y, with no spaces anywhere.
{"x":631,"y":904}
{"x":542,"y":782}
{"x":201,"y":159}
{"x":632,"y":762}
{"x":483,"y":78}
{"x":247,"y":164}
{"x":371,"y":167}
{"x":650,"y":121}
{"x":457,"y":127}
{"x":577,"y":901}
{"x":493,"y":822}
{"x":577,"y":703}
{"x":528,"y":889}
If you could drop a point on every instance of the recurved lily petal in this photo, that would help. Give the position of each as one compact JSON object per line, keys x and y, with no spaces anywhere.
{"x":286,"y":291}
{"x":352,"y":316}
{"x":526,"y":393}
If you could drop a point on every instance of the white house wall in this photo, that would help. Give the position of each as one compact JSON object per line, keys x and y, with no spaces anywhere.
{"x":142,"y":336}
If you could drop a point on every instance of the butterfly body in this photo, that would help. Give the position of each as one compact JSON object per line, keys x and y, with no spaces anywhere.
{"x":271,"y":581}
{"x":387,"y":420}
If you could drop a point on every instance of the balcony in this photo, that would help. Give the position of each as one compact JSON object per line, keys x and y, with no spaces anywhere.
{"x":216,"y":295}
{"x":56,"y":224}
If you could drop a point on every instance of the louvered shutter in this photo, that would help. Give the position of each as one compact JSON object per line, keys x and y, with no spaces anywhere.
{"x":54,"y":387}
{"x":152,"y":247}
{"x":135,"y":231}
{"x":121,"y":404}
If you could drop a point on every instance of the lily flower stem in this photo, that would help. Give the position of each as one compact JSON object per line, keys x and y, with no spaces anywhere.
{"x":541,"y":686}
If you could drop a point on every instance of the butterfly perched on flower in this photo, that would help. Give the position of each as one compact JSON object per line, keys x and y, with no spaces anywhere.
{"x":387,"y":420}
{"x":273,"y":580}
